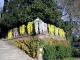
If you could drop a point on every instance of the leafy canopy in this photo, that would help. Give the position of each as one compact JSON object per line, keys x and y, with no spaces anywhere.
{"x":22,"y":11}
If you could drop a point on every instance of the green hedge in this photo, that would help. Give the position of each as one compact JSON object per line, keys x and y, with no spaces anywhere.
{"x":56,"y":52}
{"x":49,"y":52}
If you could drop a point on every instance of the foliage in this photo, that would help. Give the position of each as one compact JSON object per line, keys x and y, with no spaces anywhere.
{"x":76,"y":52}
{"x":23,"y":11}
{"x":10,"y":34}
{"x":63,"y":51}
{"x":30,"y":27}
{"x":70,"y":37}
{"x":49,"y":52}
{"x":58,"y":51}
{"x":26,"y":46}
{"x":20,"y":11}
{"x":33,"y":46}
{"x":30,"y":45}
{"x":42,"y":43}
{"x":55,"y":41}
{"x":52,"y":49}
{"x":71,"y":8}
{"x":68,"y":26}
{"x":68,"y":52}
{"x":22,"y":29}
{"x":70,"y":58}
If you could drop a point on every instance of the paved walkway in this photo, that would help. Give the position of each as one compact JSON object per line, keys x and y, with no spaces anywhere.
{"x":10,"y":52}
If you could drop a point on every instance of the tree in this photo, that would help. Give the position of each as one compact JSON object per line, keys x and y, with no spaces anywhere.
{"x":17,"y":12}
{"x":22,"y":11}
{"x":72,"y":8}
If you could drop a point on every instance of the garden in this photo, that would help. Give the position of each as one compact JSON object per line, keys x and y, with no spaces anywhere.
{"x":39,"y":17}
{"x":52,"y":49}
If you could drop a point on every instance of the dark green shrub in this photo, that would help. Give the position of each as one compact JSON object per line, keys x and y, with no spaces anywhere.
{"x":42,"y":43}
{"x":76,"y":52}
{"x":49,"y":52}
{"x":68,"y":51}
{"x":60,"y":51}
{"x":63,"y":51}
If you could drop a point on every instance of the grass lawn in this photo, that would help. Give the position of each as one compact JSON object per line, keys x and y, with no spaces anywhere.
{"x":70,"y":58}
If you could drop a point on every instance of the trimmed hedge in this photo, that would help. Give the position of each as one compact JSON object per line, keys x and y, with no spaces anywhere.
{"x":49,"y":52}
{"x":58,"y":51}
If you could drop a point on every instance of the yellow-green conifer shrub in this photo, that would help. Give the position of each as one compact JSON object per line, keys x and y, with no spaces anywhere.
{"x":52,"y":29}
{"x":60,"y":32}
{"x":22,"y":29}
{"x":63,"y":33}
{"x":49,"y":28}
{"x":10,"y":34}
{"x":30,"y":27}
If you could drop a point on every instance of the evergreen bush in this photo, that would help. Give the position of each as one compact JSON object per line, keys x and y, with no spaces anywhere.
{"x":76,"y":52}
{"x":58,"y":51}
{"x":49,"y":52}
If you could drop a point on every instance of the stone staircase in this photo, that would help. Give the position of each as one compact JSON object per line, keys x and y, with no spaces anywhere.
{"x":8,"y":51}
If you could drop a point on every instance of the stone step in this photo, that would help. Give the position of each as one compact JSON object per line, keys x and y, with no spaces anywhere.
{"x":8,"y":51}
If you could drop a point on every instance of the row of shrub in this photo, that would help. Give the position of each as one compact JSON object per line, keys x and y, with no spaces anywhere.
{"x":52,"y":48}
{"x":58,"y":51}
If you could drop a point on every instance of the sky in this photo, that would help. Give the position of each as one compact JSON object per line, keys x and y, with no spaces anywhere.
{"x":64,"y":17}
{"x":1,"y":4}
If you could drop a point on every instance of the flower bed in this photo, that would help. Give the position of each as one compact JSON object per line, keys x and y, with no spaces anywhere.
{"x":57,"y":48}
